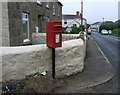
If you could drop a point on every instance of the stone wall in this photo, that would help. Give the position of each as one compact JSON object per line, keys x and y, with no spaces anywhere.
{"x":42,"y":37}
{"x":12,"y":25}
{"x":17,"y":62}
{"x":4,"y":27}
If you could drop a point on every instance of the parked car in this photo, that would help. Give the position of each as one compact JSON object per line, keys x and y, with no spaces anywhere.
{"x":94,"y":30}
{"x":110,"y":31}
{"x":68,"y":30}
{"x":104,"y":32}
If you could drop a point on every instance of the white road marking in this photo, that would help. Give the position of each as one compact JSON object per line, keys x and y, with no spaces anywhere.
{"x":102,"y":52}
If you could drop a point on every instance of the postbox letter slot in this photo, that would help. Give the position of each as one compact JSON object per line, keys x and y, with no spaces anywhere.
{"x":57,"y":26}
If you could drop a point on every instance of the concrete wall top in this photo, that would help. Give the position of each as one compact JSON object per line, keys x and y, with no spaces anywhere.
{"x":21,"y":49}
{"x":32,"y":48}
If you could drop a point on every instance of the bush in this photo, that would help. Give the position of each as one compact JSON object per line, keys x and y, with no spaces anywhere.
{"x":63,"y":29}
{"x":75,"y":30}
{"x":116,"y":32}
{"x":82,"y":27}
{"x":87,"y":26}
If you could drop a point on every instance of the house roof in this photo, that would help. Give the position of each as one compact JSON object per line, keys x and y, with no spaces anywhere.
{"x":73,"y":22}
{"x":67,"y":16}
{"x":118,"y":21}
{"x":108,"y":22}
{"x":96,"y":23}
{"x":60,"y":3}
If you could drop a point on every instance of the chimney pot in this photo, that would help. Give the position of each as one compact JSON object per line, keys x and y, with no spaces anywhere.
{"x":77,"y":14}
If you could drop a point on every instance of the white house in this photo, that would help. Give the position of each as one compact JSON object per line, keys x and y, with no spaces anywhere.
{"x":69,"y":20}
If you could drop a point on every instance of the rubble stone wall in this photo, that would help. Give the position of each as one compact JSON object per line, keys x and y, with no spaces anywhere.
{"x":42,"y":37}
{"x":17,"y":62}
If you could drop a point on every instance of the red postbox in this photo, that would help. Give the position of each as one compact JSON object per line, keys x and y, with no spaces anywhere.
{"x":54,"y":34}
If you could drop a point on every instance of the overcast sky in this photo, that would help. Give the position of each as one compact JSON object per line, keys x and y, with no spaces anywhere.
{"x":94,"y":10}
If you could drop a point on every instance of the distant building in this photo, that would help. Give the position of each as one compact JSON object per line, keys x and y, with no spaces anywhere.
{"x":95,"y":26}
{"x":119,"y":10}
{"x":108,"y":22}
{"x":72,"y":20}
{"x":21,"y":19}
{"x":117,"y":22}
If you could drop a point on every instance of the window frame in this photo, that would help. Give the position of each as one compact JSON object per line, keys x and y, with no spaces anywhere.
{"x":59,"y":10}
{"x":74,"y":25}
{"x":65,"y":21}
{"x":27,"y":20}
{"x":39,"y":2}
{"x":53,"y":9}
{"x":47,"y":4}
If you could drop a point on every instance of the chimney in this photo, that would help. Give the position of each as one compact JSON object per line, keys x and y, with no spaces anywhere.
{"x":77,"y":14}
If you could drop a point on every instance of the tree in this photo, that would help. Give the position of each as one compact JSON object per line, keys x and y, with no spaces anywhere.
{"x":109,"y":26}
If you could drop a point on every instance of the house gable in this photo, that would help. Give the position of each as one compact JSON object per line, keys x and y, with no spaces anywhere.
{"x":74,"y":22}
{"x":70,"y":20}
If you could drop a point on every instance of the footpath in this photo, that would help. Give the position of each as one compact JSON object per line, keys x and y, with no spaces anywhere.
{"x":97,"y":71}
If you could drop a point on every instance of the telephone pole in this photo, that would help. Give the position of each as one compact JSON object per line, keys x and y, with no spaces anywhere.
{"x":103,"y":20}
{"x":81,"y":12}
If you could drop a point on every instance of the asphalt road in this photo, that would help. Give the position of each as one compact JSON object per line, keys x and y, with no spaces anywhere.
{"x":110,"y":47}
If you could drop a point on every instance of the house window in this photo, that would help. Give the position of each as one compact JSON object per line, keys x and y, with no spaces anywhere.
{"x":39,"y":1}
{"x":53,"y":9}
{"x":47,"y":4}
{"x":25,"y":20}
{"x":65,"y":22}
{"x":74,"y":25}
{"x":58,"y":10}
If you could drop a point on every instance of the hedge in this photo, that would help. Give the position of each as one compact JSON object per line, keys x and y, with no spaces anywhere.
{"x":116,"y":32}
{"x":75,"y":30}
{"x":109,"y":26}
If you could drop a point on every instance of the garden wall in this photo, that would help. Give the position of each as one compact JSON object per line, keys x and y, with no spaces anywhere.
{"x":17,"y":62}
